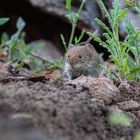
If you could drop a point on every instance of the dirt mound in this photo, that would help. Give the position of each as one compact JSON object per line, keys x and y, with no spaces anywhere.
{"x":62,"y":112}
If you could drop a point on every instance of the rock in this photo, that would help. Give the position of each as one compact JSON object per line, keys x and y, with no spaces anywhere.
{"x":90,"y":12}
{"x":15,"y":128}
{"x":138,"y":113}
{"x":129,"y":105}
{"x":114,"y":108}
{"x":100,"y":88}
{"x":127,"y":90}
{"x":47,"y":50}
{"x":57,"y":8}
{"x":4,"y":73}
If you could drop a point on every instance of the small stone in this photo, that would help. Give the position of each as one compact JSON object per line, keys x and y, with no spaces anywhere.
{"x":138,"y":114}
{"x":99,"y":88}
{"x":129,"y":105}
{"x":114,"y":108}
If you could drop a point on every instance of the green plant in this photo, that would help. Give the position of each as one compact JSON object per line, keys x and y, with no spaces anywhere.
{"x":137,"y":136}
{"x":133,"y":44}
{"x":134,"y":4}
{"x":19,"y":52}
{"x":4,"y":37}
{"x":119,"y":118}
{"x":56,"y":64}
{"x":73,"y":18}
{"x":16,"y":46}
{"x":127,"y":66}
{"x":3,"y":21}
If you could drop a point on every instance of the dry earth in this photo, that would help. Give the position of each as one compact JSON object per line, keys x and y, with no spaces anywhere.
{"x":45,"y":110}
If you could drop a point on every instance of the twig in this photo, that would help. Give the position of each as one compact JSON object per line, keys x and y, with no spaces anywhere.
{"x":20,"y":78}
{"x":41,"y":58}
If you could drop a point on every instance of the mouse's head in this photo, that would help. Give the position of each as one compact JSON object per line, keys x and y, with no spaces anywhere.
{"x":78,"y":56}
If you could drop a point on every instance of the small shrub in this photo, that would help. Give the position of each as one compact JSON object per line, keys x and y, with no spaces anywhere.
{"x":127,"y":65}
{"x":19,"y":52}
{"x":73,"y":18}
{"x":119,"y":118}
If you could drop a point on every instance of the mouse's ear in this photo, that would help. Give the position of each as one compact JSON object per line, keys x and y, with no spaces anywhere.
{"x":90,"y":48}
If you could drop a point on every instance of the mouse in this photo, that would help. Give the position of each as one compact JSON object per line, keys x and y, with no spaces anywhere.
{"x":82,"y":59}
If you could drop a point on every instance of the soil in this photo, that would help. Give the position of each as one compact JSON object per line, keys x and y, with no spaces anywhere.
{"x":36,"y":108}
{"x":46,"y":110}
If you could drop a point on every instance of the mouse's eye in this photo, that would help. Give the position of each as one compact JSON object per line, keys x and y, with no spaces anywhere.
{"x":68,"y":56}
{"x":80,"y":56}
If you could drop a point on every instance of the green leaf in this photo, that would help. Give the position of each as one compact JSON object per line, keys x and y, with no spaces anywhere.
{"x":13,"y":45}
{"x":124,"y":49}
{"x":115,"y":60}
{"x":137,"y":136}
{"x":103,"y":26}
{"x":130,"y":3}
{"x":20,"y":24}
{"x":4,"y":38}
{"x":131,"y":62}
{"x":68,"y":5}
{"x":122,"y":14}
{"x":97,"y":39}
{"x":135,"y":70}
{"x":119,"y":118}
{"x":28,"y":49}
{"x":64,"y":42}
{"x":81,"y":7}
{"x":104,"y":10}
{"x":78,"y":39}
{"x":3,"y":21}
{"x":115,"y":11}
{"x":58,"y":64}
{"x":137,"y":9}
{"x":109,"y":41}
{"x":72,"y":17}
{"x":129,"y":28}
{"x":22,"y":55}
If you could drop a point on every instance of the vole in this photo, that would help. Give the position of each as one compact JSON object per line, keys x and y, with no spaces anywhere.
{"x":82,"y":59}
